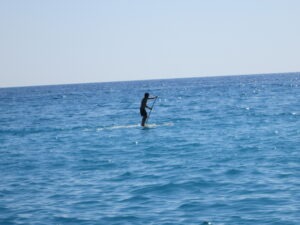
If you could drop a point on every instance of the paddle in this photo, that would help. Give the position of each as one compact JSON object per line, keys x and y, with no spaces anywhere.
{"x":151,"y":109}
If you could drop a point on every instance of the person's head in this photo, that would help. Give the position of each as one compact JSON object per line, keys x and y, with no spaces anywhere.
{"x":146,"y":95}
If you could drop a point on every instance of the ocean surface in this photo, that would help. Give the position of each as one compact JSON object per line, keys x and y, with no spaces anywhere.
{"x":220,"y":150}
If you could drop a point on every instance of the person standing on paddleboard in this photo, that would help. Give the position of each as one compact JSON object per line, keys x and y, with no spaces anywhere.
{"x":144,"y":106}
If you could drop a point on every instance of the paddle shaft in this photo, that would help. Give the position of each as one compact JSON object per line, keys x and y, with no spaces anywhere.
{"x":150,"y":110}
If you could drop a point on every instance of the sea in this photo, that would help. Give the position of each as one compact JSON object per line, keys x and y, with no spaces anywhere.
{"x":215,"y":151}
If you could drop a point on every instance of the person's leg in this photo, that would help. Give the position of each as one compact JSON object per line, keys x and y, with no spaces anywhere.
{"x":144,"y":120}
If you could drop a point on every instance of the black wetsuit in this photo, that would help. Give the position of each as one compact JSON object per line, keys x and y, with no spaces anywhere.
{"x":143,"y":112}
{"x":143,"y":107}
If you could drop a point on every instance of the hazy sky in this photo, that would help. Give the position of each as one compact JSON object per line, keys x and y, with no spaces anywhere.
{"x":72,"y":41}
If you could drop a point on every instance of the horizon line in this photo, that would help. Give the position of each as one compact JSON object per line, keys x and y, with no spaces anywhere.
{"x":171,"y":78}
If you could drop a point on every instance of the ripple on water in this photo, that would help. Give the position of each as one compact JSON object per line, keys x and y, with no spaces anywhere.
{"x":217,"y":152}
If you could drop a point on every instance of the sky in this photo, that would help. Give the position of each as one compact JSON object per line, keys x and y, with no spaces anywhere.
{"x":82,"y":41}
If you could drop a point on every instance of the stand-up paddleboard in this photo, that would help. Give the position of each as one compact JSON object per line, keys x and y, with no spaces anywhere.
{"x":149,"y":126}
{"x":154,"y":125}
{"x":133,"y":126}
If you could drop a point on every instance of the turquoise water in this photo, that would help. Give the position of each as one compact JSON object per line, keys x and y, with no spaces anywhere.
{"x":222,"y":150}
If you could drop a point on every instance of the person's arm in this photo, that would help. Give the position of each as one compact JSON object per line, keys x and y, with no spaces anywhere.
{"x":154,"y":97}
{"x":151,"y":98}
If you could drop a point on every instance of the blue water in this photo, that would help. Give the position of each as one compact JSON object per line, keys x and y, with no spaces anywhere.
{"x":222,"y":150}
